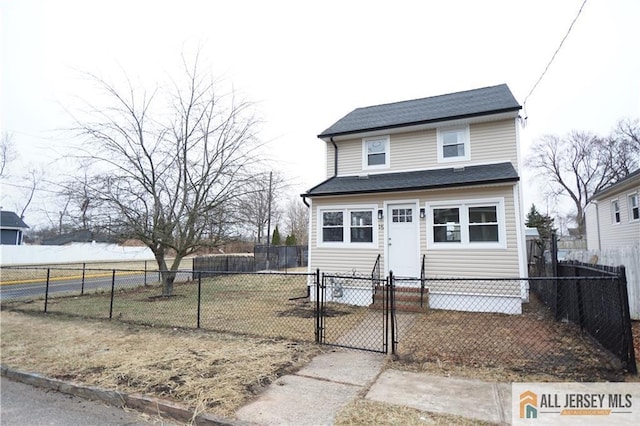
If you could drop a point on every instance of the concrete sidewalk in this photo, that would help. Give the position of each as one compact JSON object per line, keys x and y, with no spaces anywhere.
{"x":315,"y":394}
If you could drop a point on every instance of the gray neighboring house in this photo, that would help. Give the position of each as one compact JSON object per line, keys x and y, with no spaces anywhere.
{"x":11,"y":229}
{"x":434,"y":178}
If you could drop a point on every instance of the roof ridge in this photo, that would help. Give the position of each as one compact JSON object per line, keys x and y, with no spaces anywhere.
{"x":431,"y":97}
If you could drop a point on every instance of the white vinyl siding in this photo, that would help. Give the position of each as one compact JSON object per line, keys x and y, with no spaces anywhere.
{"x":494,"y":142}
{"x":602,"y":227}
{"x":490,"y":142}
{"x":472,"y":262}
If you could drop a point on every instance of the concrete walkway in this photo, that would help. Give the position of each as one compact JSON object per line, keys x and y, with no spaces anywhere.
{"x":315,"y":394}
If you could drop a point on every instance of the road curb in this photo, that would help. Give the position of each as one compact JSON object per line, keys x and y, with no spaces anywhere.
{"x":147,"y":404}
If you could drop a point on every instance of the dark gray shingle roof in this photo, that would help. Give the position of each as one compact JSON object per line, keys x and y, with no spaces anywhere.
{"x":419,"y":180}
{"x":484,"y":101}
{"x":11,"y":220}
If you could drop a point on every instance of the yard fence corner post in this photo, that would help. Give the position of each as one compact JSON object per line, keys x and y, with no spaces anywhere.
{"x":46,"y":290}
{"x":84,"y":268}
{"x":317,"y":331}
{"x":632,"y":367}
{"x":199,"y":296}
{"x":113,"y":287}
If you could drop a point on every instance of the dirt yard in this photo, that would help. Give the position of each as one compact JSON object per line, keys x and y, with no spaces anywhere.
{"x":516,"y":347}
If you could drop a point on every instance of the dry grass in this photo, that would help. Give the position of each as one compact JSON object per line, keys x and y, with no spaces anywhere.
{"x":212,"y":372}
{"x":365,"y":412}
{"x":239,"y":303}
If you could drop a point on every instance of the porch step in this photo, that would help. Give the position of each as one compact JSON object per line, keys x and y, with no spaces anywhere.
{"x":407,"y":299}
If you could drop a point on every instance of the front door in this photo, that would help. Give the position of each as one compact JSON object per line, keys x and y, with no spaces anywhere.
{"x":402,"y":240}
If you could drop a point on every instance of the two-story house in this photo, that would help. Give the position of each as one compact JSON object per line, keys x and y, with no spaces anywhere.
{"x":434,"y":180}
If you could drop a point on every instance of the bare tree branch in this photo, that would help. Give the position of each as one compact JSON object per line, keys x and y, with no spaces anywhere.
{"x":170,"y":166}
{"x":580,"y":164}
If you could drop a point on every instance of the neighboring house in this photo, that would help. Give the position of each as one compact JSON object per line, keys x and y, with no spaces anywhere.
{"x":11,"y":229}
{"x":435,"y":179}
{"x":613,"y":215}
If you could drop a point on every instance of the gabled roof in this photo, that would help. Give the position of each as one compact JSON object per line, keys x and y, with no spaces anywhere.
{"x":470,"y":103}
{"x":11,"y":220}
{"x":418,"y":180}
{"x":620,"y":185}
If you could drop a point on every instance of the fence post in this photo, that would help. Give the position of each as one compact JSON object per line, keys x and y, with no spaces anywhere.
{"x":46,"y":290}
{"x":391,"y":308}
{"x":579,"y":284}
{"x":145,"y":273}
{"x":553,"y":252}
{"x":626,"y":320}
{"x":318,"y":313}
{"x":113,"y":287}
{"x":199,"y":295}
{"x":84,"y":266}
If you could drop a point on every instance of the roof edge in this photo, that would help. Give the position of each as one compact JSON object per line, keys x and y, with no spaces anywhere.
{"x":409,"y":189}
{"x":417,"y":123}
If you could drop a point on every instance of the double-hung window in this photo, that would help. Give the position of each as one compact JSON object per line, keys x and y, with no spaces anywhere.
{"x":453,"y":144}
{"x":375,"y":152}
{"x":634,"y":207}
{"x":615,"y":211}
{"x":473,"y":224}
{"x":353,"y":226}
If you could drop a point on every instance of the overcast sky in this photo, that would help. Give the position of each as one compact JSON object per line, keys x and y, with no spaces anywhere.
{"x":307,"y":63}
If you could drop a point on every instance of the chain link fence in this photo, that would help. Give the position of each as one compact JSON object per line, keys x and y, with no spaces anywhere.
{"x":514,"y":324}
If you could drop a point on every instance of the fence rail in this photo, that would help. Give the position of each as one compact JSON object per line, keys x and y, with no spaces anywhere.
{"x":470,"y":322}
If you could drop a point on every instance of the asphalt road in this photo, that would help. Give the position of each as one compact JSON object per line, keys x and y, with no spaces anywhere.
{"x":23,"y":404}
{"x":74,"y":286}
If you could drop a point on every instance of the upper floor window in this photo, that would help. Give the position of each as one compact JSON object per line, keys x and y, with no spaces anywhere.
{"x":615,"y":211}
{"x":375,"y":152}
{"x":453,"y":144}
{"x":634,"y":207}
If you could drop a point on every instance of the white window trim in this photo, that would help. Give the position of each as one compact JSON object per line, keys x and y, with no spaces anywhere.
{"x":467,"y":144}
{"x":631,"y":219}
{"x":464,"y":205}
{"x":387,"y":153}
{"x":346,"y":209}
{"x":613,"y":212}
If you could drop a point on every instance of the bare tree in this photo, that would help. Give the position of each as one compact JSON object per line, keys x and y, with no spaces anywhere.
{"x":297,"y":220}
{"x":254,"y":209}
{"x":169,"y":163}
{"x":7,"y":152}
{"x":578,"y":165}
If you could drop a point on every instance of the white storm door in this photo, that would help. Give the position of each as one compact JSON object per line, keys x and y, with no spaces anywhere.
{"x":402,"y":240}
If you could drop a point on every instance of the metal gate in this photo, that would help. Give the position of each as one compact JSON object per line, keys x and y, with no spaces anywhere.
{"x":356,"y":312}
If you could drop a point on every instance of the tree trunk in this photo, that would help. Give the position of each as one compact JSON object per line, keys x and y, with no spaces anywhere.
{"x":167,"y":277}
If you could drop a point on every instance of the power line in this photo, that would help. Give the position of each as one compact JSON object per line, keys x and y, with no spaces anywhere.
{"x":552,"y":58}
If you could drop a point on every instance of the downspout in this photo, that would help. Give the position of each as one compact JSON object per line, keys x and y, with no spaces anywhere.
{"x":335,"y":157}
